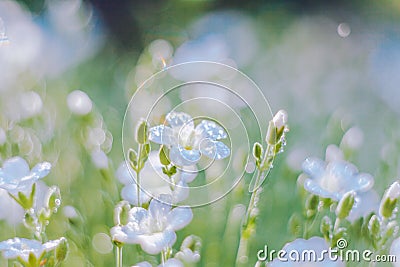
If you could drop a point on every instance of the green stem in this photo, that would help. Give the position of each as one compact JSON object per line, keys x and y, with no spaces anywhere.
{"x":163,"y":257}
{"x":242,"y":254}
{"x":138,"y":175}
{"x":119,"y":256}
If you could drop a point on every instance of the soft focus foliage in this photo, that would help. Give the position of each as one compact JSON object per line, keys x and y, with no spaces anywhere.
{"x":66,"y":77}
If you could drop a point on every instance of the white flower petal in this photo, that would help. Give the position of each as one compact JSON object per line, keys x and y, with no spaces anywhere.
{"x":395,"y":250}
{"x":162,"y":134}
{"x":117,"y":234}
{"x":15,"y":168}
{"x":22,"y":247}
{"x":155,"y":243}
{"x":124,"y":174}
{"x":180,"y":192}
{"x":41,"y":170}
{"x":159,"y":209}
{"x":137,"y":215}
{"x":214,"y":149}
{"x":189,"y":174}
{"x":142,"y":264}
{"x":187,"y":255}
{"x":314,"y":167}
{"x":179,"y":217}
{"x":184,"y":157}
{"x":172,"y":263}
{"x":210,"y":129}
{"x":129,"y":193}
{"x":178,"y":119}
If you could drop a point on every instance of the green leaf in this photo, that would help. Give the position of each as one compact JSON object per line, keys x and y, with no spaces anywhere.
{"x":26,"y":203}
{"x":32,"y":260}
{"x":142,"y":132}
{"x":163,"y":155}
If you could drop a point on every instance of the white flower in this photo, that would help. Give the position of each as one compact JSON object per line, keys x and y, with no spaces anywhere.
{"x":21,"y":247}
{"x":395,"y":250}
{"x":334,"y":179}
{"x":295,"y":248}
{"x":154,"y":229}
{"x":169,"y":263}
{"x":188,"y":143}
{"x":15,"y":175}
{"x":187,"y":255}
{"x":190,"y":250}
{"x":79,"y":103}
{"x":154,"y":182}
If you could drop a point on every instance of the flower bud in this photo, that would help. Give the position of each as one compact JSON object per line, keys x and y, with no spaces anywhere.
{"x":79,"y":103}
{"x":280,"y":119}
{"x":374,"y":227}
{"x":345,"y":205}
{"x":133,"y":158}
{"x":326,"y":227}
{"x":294,"y":224}
{"x":257,"y":151}
{"x":271,"y":137}
{"x":62,"y":250}
{"x":277,"y":127}
{"x":53,"y":199}
{"x":142,"y":132}
{"x":121,"y":213}
{"x":389,"y":200}
{"x":312,"y":203}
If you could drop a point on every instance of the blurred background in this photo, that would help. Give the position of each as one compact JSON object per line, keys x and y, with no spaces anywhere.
{"x":333,"y":65}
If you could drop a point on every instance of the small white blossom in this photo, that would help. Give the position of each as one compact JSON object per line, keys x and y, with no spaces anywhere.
{"x":334,"y":179}
{"x":79,"y":103}
{"x":15,"y":174}
{"x":316,"y":244}
{"x":21,"y":247}
{"x":153,"y":228}
{"x":187,"y":142}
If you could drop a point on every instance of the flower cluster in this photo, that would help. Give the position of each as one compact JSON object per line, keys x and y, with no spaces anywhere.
{"x":155,"y":182}
{"x":21,"y":184}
